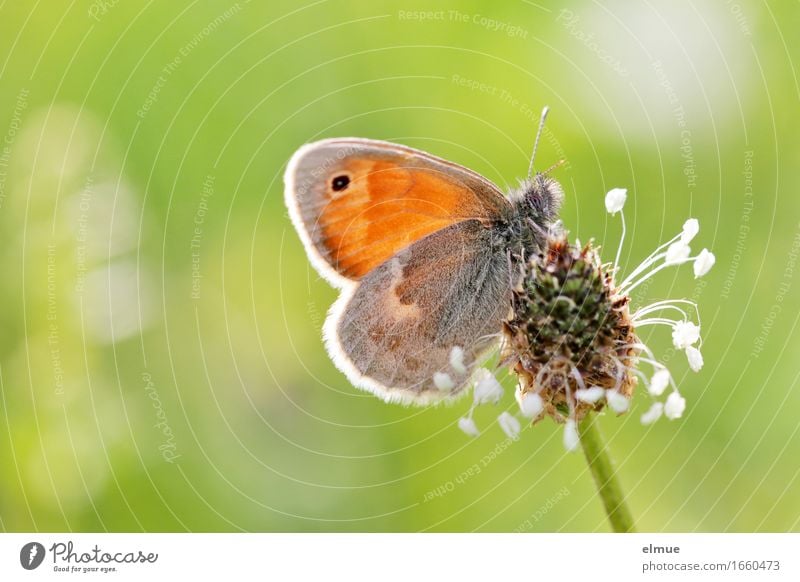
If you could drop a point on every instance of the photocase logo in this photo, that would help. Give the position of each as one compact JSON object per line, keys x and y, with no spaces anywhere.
{"x":31,"y":555}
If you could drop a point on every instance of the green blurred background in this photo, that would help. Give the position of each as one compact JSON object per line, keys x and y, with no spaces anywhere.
{"x":160,"y":356}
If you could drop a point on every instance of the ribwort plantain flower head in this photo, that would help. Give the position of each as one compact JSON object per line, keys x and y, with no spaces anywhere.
{"x":571,"y":337}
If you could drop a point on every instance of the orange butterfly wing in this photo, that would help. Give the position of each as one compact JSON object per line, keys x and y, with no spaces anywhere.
{"x":358,"y":202}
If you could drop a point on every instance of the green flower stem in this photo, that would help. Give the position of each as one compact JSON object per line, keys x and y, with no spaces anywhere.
{"x":604,"y":474}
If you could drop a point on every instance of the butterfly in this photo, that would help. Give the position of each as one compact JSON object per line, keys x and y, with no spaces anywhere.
{"x":425,"y":252}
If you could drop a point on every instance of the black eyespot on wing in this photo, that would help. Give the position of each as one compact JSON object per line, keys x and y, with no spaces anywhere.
{"x":339,"y":183}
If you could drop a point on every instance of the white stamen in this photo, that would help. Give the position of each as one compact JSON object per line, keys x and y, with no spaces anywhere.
{"x":659,"y":382}
{"x":690,"y":229}
{"x":530,"y":404}
{"x":653,"y":414}
{"x":648,"y":310}
{"x":443,"y":381}
{"x":457,"y":360}
{"x":666,"y":304}
{"x":654,"y":257}
{"x":621,"y":241}
{"x":487,"y":388}
{"x":677,"y":252}
{"x":685,"y":334}
{"x":615,"y":199}
{"x":703,"y":263}
{"x":638,"y":346}
{"x":467,"y":425}
{"x":617,"y":401}
{"x":643,"y":376}
{"x":509,"y":424}
{"x":674,"y":406}
{"x":631,"y":285}
{"x":695,"y":358}
{"x":659,"y":366}
{"x":579,"y":379}
{"x":657,"y":321}
{"x":572,"y":439}
{"x":590,"y":395}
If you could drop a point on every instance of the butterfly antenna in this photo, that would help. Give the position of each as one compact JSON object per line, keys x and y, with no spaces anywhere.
{"x":558,"y":164}
{"x":536,"y":142}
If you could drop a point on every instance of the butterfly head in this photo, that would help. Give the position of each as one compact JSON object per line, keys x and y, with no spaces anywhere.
{"x":540,"y":198}
{"x":536,"y":204}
